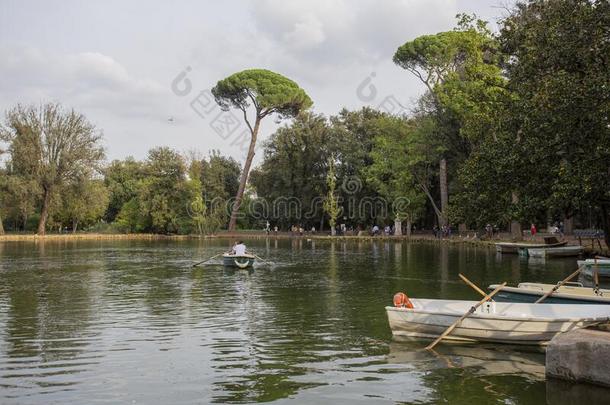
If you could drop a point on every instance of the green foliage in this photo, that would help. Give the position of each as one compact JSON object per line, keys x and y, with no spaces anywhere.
{"x":164,"y":197}
{"x":268,"y":91}
{"x":122,"y":178}
{"x":130,"y":218}
{"x":165,"y":193}
{"x":52,"y":147}
{"x":435,"y":58}
{"x":21,"y":197}
{"x":84,"y":202}
{"x":219,"y":176}
{"x":331,"y":202}
{"x":295,"y":166}
{"x":549,"y":122}
{"x":394,"y":172}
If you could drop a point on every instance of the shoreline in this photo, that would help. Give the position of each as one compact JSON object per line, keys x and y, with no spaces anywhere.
{"x":257,"y":235}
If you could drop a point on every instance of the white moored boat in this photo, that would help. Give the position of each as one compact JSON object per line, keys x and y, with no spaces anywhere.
{"x":515,"y":323}
{"x":562,"y":251}
{"x":514,"y":247}
{"x":592,"y":266}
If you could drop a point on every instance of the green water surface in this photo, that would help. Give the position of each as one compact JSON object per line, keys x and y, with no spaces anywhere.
{"x":131,"y":322}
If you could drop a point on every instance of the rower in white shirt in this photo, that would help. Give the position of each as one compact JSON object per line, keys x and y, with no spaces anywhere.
{"x":239,"y":249}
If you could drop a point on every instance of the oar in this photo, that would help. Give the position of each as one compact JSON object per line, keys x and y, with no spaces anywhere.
{"x":554,"y":289}
{"x":203,"y":261}
{"x":596,"y":277}
{"x":260,"y":258}
{"x":470,"y":312}
{"x":473,"y":285}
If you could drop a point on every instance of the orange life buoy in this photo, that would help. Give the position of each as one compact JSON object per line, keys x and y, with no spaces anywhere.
{"x":402,"y":301}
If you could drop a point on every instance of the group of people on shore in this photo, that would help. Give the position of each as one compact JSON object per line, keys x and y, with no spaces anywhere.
{"x":443,"y":232}
{"x":388,"y":230}
{"x":556,"y":228}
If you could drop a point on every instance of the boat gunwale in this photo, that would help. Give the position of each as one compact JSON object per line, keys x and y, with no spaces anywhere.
{"x":500,"y":318}
{"x":230,"y":256}
{"x":540,"y":293}
{"x":524,"y":245}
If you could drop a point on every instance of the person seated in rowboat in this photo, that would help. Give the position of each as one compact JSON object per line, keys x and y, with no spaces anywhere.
{"x":239,"y":249}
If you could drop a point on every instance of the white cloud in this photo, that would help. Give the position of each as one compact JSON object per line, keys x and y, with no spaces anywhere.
{"x":89,"y":80}
{"x":306,"y":33}
{"x":115,"y":64}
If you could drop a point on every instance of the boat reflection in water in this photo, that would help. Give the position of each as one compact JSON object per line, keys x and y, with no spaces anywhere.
{"x":483,"y":360}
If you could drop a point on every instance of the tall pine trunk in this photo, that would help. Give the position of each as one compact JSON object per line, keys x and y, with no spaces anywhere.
{"x":44,"y":215}
{"x":244,"y":177}
{"x":442,"y":174}
{"x":1,"y":226}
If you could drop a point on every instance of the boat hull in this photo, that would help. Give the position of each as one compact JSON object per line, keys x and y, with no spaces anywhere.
{"x":242,"y":262}
{"x":565,"y":251}
{"x":591,"y":266}
{"x":509,"y":247}
{"x":492,"y":322}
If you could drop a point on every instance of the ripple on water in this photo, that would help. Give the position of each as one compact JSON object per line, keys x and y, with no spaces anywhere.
{"x":132,"y":322}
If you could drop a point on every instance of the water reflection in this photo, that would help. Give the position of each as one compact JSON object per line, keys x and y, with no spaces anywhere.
{"x":78,"y":318}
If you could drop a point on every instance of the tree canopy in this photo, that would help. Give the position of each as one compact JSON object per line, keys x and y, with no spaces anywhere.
{"x":268,"y":92}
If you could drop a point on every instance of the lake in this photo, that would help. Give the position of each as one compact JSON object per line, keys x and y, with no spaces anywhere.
{"x":131,"y":322}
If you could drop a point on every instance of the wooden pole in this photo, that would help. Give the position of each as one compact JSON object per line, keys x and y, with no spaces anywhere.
{"x":473,"y":285}
{"x":596,"y":276}
{"x":554,"y":289}
{"x":470,"y":312}
{"x":203,"y":261}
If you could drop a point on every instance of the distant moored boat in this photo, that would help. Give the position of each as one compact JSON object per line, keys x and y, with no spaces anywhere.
{"x":513,"y":247}
{"x":562,"y":251}
{"x":591,"y":266}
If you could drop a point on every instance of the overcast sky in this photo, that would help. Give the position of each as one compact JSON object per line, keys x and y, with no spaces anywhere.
{"x":120,"y":62}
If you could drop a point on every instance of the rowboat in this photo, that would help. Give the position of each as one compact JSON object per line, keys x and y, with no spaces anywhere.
{"x":562,"y":251}
{"x":570,"y":293}
{"x":590,"y":266}
{"x":241,"y":261}
{"x":513,"y":247}
{"x":500,"y":322}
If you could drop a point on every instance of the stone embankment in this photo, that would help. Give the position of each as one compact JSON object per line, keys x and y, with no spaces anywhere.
{"x":580,"y":356}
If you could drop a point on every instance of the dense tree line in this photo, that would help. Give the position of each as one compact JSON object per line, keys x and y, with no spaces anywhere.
{"x":513,"y":128}
{"x":54,"y":179}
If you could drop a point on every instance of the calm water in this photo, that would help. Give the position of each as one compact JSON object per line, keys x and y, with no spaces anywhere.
{"x":132,"y":323}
